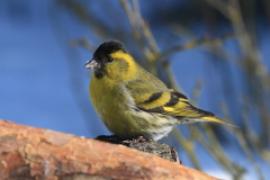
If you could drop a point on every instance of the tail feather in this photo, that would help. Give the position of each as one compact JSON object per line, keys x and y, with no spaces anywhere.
{"x":214,"y":119}
{"x":207,"y":116}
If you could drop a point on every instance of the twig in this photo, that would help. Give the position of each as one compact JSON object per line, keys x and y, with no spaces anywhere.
{"x":188,"y":146}
{"x":84,"y":43}
{"x":193,"y":44}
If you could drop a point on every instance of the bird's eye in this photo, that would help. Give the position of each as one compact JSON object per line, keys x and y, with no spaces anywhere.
{"x":109,"y":59}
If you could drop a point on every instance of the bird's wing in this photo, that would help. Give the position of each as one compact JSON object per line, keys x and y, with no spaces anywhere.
{"x":151,"y":95}
{"x":171,"y":103}
{"x":175,"y":104}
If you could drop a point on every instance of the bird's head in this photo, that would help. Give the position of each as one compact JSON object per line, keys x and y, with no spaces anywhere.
{"x":112,"y":60}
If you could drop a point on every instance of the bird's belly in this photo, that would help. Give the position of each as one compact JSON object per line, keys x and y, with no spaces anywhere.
{"x":133,"y":123}
{"x":153,"y":125}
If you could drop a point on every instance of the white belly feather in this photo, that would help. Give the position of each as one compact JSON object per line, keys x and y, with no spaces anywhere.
{"x":154,"y":125}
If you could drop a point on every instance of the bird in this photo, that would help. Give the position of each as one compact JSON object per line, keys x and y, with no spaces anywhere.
{"x":132,"y":102}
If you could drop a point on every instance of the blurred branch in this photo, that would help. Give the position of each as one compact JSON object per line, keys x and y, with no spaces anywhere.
{"x":83,"y":15}
{"x":193,"y":44}
{"x":220,"y":5}
{"x":141,"y":29}
{"x":83,"y":43}
{"x":213,"y":146}
{"x":95,"y":24}
{"x":145,"y":27}
{"x":256,"y":72}
{"x":188,"y":146}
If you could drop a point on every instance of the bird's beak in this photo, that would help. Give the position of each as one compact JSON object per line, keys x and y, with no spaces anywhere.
{"x":92,"y":64}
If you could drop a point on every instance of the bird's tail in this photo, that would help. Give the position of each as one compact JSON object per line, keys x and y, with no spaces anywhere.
{"x":214,"y":119}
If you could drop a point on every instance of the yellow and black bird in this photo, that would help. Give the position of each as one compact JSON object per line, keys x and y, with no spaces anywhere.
{"x":132,"y":102}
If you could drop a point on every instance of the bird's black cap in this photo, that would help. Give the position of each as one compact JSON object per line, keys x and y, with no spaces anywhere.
{"x":107,"y":48}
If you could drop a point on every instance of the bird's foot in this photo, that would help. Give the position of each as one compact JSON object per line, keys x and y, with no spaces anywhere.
{"x":138,"y":139}
{"x":144,"y":144}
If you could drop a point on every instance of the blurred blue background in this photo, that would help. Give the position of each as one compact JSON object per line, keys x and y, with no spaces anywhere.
{"x":35,"y":74}
{"x":44,"y":82}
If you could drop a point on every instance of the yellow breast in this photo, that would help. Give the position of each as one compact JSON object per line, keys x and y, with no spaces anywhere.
{"x":110,"y":103}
